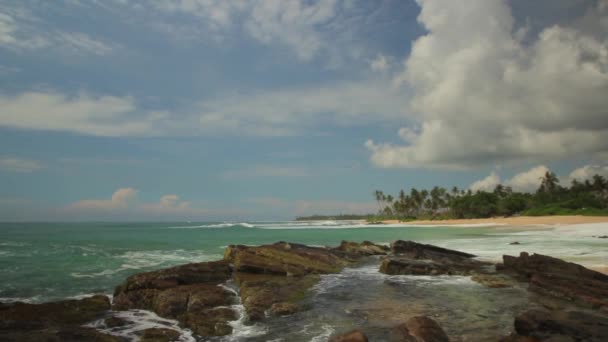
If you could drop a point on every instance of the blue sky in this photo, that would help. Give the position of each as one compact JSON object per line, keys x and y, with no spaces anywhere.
{"x":226,"y":110}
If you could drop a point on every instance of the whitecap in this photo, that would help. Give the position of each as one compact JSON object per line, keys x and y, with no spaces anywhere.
{"x":139,"y":320}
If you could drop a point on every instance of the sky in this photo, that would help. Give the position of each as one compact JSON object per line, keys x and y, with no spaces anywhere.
{"x":264,"y":109}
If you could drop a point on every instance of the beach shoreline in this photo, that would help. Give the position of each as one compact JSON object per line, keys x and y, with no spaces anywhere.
{"x":509,"y":221}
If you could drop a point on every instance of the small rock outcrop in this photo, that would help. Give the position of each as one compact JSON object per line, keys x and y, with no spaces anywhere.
{"x":283,"y":258}
{"x":188,"y":293}
{"x":418,"y":329}
{"x":561,"y":279}
{"x":366,"y":248}
{"x":351,"y":336}
{"x":54,"y":321}
{"x":412,"y":258}
{"x":567,"y":325}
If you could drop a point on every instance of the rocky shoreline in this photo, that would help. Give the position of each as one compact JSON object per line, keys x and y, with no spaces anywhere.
{"x":272,"y":281}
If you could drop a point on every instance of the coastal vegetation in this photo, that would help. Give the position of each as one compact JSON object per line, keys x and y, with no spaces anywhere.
{"x":579,"y":198}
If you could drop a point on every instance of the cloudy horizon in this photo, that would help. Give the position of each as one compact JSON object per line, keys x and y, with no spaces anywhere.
{"x":229,"y":110}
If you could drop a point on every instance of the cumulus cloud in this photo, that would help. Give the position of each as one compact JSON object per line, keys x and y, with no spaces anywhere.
{"x":121,"y":199}
{"x":526,"y":181}
{"x":588,"y":171}
{"x":19,"y":165}
{"x":125,"y":202}
{"x":486,"y":184}
{"x":484,"y":92}
{"x":82,"y":113}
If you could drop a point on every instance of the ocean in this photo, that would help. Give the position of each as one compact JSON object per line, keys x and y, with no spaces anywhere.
{"x":41,"y":262}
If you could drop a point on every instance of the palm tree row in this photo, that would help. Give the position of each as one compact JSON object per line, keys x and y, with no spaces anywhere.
{"x":458,"y":203}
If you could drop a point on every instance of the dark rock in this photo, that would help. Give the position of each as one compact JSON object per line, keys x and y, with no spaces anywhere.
{"x":416,"y":250}
{"x":420,"y":259}
{"x":113,"y":322}
{"x":283,"y":258}
{"x":351,"y":336}
{"x":212,"y":322}
{"x":560,"y":279}
{"x":55,"y":321}
{"x":419,"y":329}
{"x":366,"y":248}
{"x":515,"y":243}
{"x":283,"y":309}
{"x":603,"y":237}
{"x":159,"y":335}
{"x":562,"y":326}
{"x":214,"y":272}
{"x":67,"y":312}
{"x":188,"y":293}
{"x":259,"y":292}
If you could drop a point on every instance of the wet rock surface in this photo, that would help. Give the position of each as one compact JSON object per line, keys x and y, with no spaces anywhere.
{"x":419,"y":329}
{"x":351,"y":336}
{"x":568,"y":325}
{"x":561,"y":279}
{"x":55,"y":321}
{"x":188,"y":293}
{"x":159,"y":335}
{"x":411,"y":258}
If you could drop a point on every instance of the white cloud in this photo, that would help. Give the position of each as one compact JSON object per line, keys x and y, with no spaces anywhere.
{"x":486,"y":184}
{"x":121,"y":199}
{"x":291,"y":23}
{"x":125,"y":202}
{"x":588,"y":171}
{"x":19,"y":165}
{"x":526,"y":181}
{"x":20,"y":31}
{"x":482,"y":95}
{"x":380,"y":63}
{"x":289,"y":111}
{"x":83,"y":113}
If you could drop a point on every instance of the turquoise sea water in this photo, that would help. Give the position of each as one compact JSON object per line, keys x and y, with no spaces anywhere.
{"x":47,"y":261}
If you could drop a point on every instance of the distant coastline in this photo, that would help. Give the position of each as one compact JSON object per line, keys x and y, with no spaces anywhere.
{"x":511,"y":221}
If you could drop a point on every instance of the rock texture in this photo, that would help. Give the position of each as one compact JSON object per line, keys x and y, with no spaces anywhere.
{"x":366,"y":248}
{"x":283,"y":258}
{"x":351,"y":336}
{"x":272,"y":279}
{"x":570,"y":325}
{"x":55,"y":321}
{"x":557,"y":278}
{"x":419,"y":329}
{"x":188,"y":293}
{"x":419,"y":259}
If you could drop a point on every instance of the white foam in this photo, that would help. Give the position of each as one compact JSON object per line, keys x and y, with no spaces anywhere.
{"x":328,"y":330}
{"x":139,"y":320}
{"x":137,"y":260}
{"x":239,"y":329}
{"x":216,"y":225}
{"x":34,"y":299}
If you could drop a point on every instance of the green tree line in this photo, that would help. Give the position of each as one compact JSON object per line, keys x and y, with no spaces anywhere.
{"x":580,"y":198}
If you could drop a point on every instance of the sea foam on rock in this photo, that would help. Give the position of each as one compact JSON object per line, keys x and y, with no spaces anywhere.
{"x":188,"y":293}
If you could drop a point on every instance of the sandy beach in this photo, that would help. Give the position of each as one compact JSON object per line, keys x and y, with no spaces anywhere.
{"x":514,"y":221}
